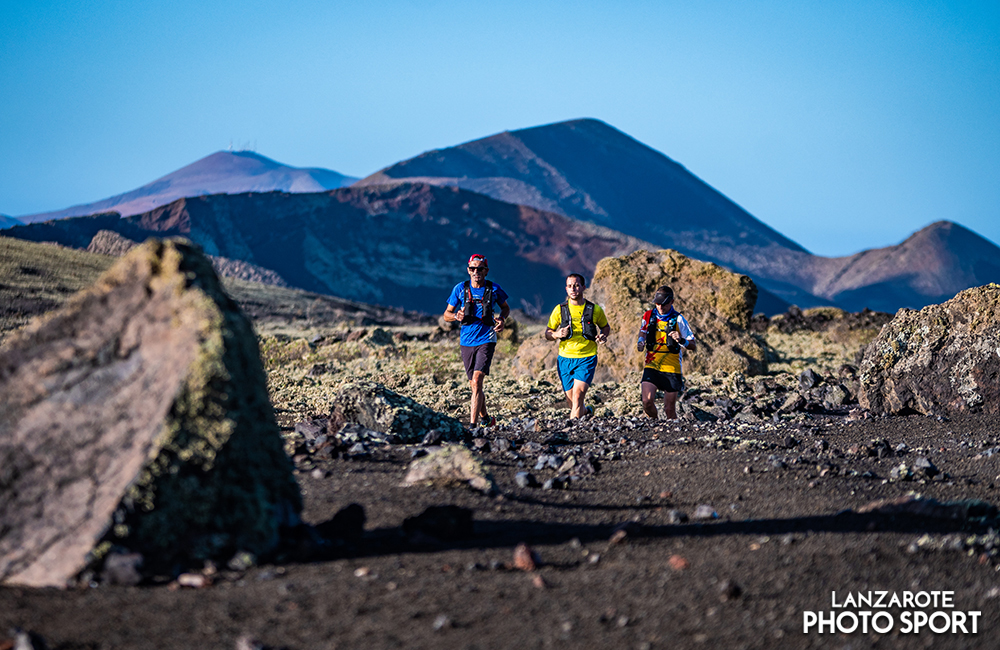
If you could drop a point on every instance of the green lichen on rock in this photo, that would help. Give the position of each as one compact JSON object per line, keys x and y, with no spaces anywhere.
{"x":220,"y":480}
{"x":380,"y":409}
{"x":942,"y":359}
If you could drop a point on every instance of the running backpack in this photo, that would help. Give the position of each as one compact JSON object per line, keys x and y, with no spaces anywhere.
{"x":469,"y":305}
{"x":672,"y":345}
{"x":589,"y":329}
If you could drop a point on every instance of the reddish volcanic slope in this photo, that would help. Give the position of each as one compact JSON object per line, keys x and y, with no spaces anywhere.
{"x":223,"y":172}
{"x":404,"y":245}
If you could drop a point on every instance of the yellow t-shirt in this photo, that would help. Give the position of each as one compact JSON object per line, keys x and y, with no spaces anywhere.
{"x":577,"y":347}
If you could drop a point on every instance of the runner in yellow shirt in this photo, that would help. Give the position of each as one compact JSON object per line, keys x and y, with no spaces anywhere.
{"x":579,"y":325}
{"x":664,"y":334}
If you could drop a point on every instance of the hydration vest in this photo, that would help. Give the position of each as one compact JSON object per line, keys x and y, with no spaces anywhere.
{"x":672,"y":345}
{"x":588,"y":327}
{"x":469,"y":305}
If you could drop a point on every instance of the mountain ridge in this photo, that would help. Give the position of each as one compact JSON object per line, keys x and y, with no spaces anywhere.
{"x":586,"y":169}
{"x":223,"y":172}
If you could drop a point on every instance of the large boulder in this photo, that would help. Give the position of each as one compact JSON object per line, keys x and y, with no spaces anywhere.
{"x":942,"y":359}
{"x":137,"y":416}
{"x":717,"y":303}
{"x":376,"y":407}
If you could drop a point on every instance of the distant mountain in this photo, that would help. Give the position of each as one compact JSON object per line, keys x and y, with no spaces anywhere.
{"x":588,"y":170}
{"x":8,"y":222}
{"x":223,"y":172}
{"x":930,"y":267}
{"x":404,"y":245}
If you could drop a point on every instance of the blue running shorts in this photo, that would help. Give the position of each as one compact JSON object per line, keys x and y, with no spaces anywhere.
{"x":572,"y":369}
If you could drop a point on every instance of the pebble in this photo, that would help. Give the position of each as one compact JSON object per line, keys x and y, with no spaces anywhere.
{"x":705,"y":511}
{"x":677,"y":517}
{"x":525,"y":480}
{"x":441,"y":622}
{"x":729,"y":590}
{"x":678,"y":563}
{"x":433,"y":437}
{"x":555,"y":483}
{"x":193,"y":580}
{"x":531,"y":448}
{"x":525,"y":559}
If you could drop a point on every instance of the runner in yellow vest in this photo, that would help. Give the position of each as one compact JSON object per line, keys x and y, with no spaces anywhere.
{"x":579,"y":326}
{"x":664,"y":334}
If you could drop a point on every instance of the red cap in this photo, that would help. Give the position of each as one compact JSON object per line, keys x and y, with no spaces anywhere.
{"x":477,"y":257}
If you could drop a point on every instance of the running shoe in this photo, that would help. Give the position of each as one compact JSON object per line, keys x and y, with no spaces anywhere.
{"x":487,"y":421}
{"x":589,"y":410}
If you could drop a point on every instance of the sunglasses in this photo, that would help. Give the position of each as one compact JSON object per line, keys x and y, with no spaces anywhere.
{"x":478,"y":268}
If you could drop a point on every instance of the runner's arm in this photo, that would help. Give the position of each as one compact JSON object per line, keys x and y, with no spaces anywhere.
{"x":451,"y":315}
{"x":504,"y":313}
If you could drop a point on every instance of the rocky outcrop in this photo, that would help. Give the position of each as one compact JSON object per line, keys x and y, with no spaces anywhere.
{"x":717,"y":303}
{"x":109,"y":242}
{"x":447,"y":466}
{"x":939,"y":360}
{"x":376,"y":407}
{"x":137,"y":416}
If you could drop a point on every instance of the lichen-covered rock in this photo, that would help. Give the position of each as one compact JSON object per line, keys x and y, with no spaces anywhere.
{"x":450,"y":465}
{"x":137,"y":416}
{"x":380,"y":409}
{"x":942,"y":359}
{"x":718,"y":304}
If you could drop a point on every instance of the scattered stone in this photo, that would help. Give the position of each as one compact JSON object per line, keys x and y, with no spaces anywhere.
{"x":729,"y":590}
{"x":677,"y":517}
{"x":678,"y":563}
{"x":444,"y":523}
{"x":25,"y":641}
{"x":481,"y":445}
{"x":247,"y":642}
{"x":312,"y":428}
{"x":433,"y":437}
{"x":193,"y":580}
{"x":376,"y":407}
{"x":555,"y":483}
{"x":442,"y":622}
{"x":546,"y":461}
{"x":924,"y":468}
{"x":539,"y":582}
{"x":901,"y":472}
{"x":808,"y":379}
{"x":525,"y":480}
{"x":525,"y":559}
{"x":501,"y":445}
{"x":704,"y":511}
{"x":625,"y":531}
{"x":794,"y":402}
{"x":531,"y":448}
{"x":122,"y":569}
{"x":448,"y":466}
{"x":151,"y":382}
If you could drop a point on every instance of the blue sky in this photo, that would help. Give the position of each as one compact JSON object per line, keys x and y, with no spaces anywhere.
{"x":844,"y":125}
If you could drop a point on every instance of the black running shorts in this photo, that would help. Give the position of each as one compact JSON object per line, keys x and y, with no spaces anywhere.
{"x":478,"y":357}
{"x":668,"y":382}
